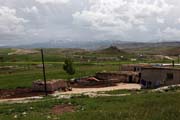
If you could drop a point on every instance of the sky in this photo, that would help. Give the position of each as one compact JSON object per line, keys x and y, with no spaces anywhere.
{"x":34,"y":21}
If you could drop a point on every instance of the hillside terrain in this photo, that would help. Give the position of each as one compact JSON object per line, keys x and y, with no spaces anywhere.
{"x":19,"y":68}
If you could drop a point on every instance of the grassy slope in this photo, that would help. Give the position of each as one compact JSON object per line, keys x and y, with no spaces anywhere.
{"x":170,"y":51}
{"x":150,"y":106}
{"x":55,"y":58}
{"x":58,"y":55}
{"x":24,"y":78}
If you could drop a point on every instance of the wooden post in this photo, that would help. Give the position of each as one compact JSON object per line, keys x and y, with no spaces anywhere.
{"x":44,"y":72}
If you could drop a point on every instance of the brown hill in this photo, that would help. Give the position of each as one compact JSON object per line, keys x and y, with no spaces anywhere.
{"x":111,"y":50}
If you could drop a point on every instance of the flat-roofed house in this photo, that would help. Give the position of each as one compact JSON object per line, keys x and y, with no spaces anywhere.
{"x":152,"y":77}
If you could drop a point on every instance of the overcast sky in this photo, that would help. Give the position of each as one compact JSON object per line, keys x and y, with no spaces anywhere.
{"x":29,"y":21}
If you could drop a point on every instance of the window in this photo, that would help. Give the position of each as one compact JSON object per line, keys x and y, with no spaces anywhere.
{"x":134,"y":68}
{"x":169,"y":76}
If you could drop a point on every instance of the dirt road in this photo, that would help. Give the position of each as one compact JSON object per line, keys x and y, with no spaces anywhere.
{"x":120,"y":86}
{"x":87,"y":91}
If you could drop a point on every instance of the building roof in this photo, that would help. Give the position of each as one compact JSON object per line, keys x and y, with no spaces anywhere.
{"x":135,"y":65}
{"x":161,"y":68}
{"x":120,"y":72}
{"x":41,"y":82}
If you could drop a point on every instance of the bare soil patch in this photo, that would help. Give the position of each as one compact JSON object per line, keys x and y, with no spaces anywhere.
{"x":119,"y":86}
{"x":92,"y":86}
{"x":19,"y":93}
{"x":23,"y":52}
{"x":60,"y":109}
{"x":28,"y":92}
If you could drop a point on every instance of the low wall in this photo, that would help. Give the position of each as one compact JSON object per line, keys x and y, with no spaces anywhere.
{"x":118,"y":77}
{"x":51,"y":85}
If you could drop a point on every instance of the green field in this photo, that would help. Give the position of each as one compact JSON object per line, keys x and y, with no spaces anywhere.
{"x":24,"y":77}
{"x":86,"y":63}
{"x":140,"y":105}
{"x":25,"y":69}
{"x":144,"y":106}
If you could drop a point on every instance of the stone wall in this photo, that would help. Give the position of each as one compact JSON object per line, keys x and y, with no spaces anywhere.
{"x":51,"y":85}
{"x":121,"y":77}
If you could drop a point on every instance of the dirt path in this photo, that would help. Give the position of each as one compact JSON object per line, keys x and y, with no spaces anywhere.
{"x":92,"y":92}
{"x":23,"y":52}
{"x":161,"y":89}
{"x":120,"y":86}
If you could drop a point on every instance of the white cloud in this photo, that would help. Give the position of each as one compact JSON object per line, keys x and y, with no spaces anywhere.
{"x":1,"y":45}
{"x":178,"y":20}
{"x":30,"y":21}
{"x":31,"y":10}
{"x":121,"y":15}
{"x":142,"y":28}
{"x":160,"y":20}
{"x":53,"y":1}
{"x":171,"y":33}
{"x":9,"y":22}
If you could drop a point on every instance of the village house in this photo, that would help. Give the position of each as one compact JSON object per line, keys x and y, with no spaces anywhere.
{"x":153,"y":77}
{"x":149,"y":76}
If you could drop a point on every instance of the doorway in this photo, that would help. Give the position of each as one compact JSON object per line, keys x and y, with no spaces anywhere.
{"x":130,"y":79}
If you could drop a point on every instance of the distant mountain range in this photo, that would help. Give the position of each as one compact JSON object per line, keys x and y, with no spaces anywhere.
{"x":72,"y":44}
{"x":97,"y":44}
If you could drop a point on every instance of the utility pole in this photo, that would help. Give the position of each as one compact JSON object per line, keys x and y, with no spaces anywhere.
{"x":44,"y":72}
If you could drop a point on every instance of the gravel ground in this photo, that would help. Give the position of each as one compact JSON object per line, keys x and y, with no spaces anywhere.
{"x":120,"y":86}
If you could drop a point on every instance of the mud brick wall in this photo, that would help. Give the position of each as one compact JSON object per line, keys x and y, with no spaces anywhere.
{"x":112,"y":77}
{"x":118,"y":77}
{"x":51,"y":85}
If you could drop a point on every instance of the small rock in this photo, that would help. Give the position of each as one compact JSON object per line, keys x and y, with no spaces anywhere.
{"x":24,"y":113}
{"x":48,"y":117}
{"x":15,"y":116}
{"x":69,"y":103}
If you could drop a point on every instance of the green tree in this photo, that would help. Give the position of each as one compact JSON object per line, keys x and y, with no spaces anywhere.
{"x":68,"y":66}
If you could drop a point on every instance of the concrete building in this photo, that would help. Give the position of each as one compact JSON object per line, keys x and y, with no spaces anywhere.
{"x":153,"y":77}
